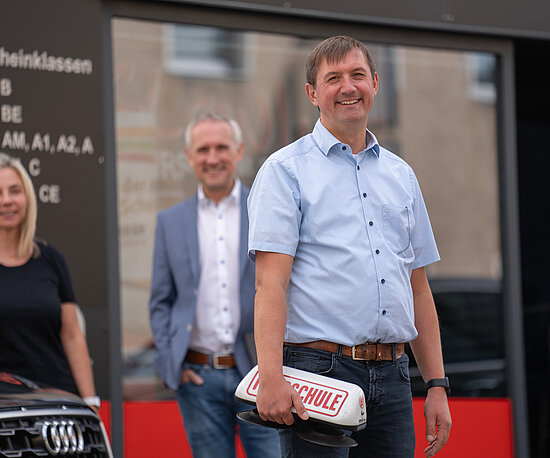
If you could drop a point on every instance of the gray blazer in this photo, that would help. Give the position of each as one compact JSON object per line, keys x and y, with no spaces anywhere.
{"x":175,"y":284}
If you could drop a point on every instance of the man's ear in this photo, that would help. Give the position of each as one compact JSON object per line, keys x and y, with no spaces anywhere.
{"x":375,"y":83}
{"x":189,"y":157}
{"x":240,"y":150}
{"x":311,"y":94}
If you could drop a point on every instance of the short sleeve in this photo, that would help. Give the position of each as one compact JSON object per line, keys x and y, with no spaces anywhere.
{"x":422,"y":237}
{"x":274,"y":210}
{"x":57,"y":261}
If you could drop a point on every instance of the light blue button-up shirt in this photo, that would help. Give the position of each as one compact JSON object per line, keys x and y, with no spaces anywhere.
{"x":356,"y":228}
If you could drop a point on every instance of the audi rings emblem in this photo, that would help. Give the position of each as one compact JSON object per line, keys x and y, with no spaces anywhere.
{"x":62,"y":437}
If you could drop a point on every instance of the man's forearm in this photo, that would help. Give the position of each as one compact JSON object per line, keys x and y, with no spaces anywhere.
{"x":427,"y":351}
{"x":275,"y":396}
{"x":269,"y":328}
{"x":270,"y":311}
{"x":427,"y":346}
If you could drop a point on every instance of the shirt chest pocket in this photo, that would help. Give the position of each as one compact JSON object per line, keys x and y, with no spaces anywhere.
{"x":398,"y":222}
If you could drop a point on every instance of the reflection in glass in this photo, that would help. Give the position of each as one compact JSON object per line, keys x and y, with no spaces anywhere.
{"x":428,"y":110}
{"x":205,"y":52}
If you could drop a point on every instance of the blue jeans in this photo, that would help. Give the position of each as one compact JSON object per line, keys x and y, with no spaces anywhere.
{"x":209,"y":416}
{"x":386,"y":384}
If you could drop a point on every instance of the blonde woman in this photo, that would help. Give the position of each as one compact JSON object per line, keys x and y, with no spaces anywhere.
{"x":40,"y":337}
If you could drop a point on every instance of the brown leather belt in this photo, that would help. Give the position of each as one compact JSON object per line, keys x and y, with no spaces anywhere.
{"x":366,"y":351}
{"x":216,"y":360}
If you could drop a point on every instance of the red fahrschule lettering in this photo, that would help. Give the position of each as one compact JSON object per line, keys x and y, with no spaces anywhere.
{"x":311,"y":396}
{"x":317,"y":397}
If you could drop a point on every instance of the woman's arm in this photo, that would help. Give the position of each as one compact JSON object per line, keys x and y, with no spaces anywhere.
{"x":76,"y":350}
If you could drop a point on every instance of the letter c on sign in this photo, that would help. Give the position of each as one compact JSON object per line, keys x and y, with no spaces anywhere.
{"x":34,"y":167}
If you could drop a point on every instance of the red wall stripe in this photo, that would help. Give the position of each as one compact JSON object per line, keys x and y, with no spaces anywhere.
{"x":482,"y":427}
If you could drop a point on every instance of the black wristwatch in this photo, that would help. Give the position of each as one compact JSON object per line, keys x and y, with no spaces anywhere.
{"x":444,"y":382}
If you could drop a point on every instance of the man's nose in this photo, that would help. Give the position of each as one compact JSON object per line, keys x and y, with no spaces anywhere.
{"x":348,"y":85}
{"x":212,"y":156}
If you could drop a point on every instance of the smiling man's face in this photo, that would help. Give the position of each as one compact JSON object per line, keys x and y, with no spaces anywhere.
{"x":344,"y":91}
{"x":214,"y":154}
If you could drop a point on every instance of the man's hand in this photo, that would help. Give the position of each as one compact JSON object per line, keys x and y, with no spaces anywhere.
{"x":438,"y":420}
{"x":276,"y":398}
{"x":189,"y":375}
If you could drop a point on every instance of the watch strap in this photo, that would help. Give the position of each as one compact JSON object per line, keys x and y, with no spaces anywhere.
{"x":444,"y":382}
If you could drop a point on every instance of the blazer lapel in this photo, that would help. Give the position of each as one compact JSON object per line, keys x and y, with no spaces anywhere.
{"x":189,"y":229}
{"x":243,"y":245}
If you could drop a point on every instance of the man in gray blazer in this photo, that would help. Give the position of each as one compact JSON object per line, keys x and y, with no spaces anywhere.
{"x":202,"y":296}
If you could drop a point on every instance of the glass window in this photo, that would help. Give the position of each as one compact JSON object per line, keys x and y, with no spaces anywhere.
{"x":482,"y":75}
{"x":164,"y":74}
{"x":205,"y":52}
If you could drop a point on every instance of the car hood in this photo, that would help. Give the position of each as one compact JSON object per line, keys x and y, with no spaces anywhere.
{"x":17,"y":391}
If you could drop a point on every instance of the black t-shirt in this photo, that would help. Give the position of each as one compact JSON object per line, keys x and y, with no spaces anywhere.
{"x":30,"y":319}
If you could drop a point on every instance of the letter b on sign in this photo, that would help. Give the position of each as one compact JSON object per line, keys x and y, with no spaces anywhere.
{"x":5,"y":87}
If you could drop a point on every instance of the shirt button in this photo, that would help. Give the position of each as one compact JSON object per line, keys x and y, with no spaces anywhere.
{"x":377,"y":251}
{"x":383,"y":312}
{"x":371,"y":223}
{"x":223,"y":285}
{"x":382,"y":281}
{"x":358,"y":168}
{"x":221,"y":238}
{"x":222,"y":261}
{"x":344,"y":148}
{"x":364,"y":194}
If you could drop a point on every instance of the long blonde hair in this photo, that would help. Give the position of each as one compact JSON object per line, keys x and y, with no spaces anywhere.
{"x":28,"y":227}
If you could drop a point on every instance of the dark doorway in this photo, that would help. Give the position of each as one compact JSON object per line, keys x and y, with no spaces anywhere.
{"x":533,"y":126}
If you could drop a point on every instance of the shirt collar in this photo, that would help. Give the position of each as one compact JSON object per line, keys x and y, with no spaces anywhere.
{"x":232,"y":198}
{"x":325,"y":140}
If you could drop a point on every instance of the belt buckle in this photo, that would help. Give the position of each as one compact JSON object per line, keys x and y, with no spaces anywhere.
{"x":216,"y":362}
{"x":353,"y":356}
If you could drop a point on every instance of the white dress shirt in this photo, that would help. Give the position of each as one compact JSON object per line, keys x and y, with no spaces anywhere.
{"x":217,"y":316}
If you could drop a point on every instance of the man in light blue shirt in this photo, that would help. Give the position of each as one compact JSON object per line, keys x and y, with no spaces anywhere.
{"x":340,"y":236}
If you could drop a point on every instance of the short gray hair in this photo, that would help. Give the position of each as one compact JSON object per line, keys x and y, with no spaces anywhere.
{"x":214,"y":116}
